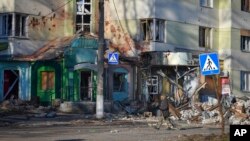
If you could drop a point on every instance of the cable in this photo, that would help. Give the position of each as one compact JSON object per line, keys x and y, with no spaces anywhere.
{"x":122,"y":27}
{"x":54,"y":10}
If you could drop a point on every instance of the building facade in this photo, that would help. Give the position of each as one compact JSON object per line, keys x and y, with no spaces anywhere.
{"x":48,"y":50}
{"x":158,"y":41}
{"x":158,"y":31}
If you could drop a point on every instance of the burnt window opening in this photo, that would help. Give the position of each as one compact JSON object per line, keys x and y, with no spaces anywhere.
{"x":205,"y":37}
{"x":18,"y":28}
{"x":83,"y":15}
{"x":152,"y":30}
{"x":245,"y":5}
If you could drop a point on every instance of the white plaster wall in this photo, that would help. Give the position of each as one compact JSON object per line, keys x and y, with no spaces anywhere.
{"x":183,"y":18}
{"x":239,"y":60}
{"x":6,"y":6}
{"x":187,"y":11}
{"x":131,"y":9}
{"x":240,"y":19}
{"x":37,"y":7}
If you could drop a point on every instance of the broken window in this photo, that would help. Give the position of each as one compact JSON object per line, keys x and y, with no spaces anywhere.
{"x":48,"y":80}
{"x":245,"y":43}
{"x":10,"y":83}
{"x":152,"y":30}
{"x":207,"y":3}
{"x":245,"y":5}
{"x":205,"y":37}
{"x":120,"y":82}
{"x":152,"y":84}
{"x":86,"y":85}
{"x":20,"y":25}
{"x":83,"y":15}
{"x":7,"y":26}
{"x":245,"y":81}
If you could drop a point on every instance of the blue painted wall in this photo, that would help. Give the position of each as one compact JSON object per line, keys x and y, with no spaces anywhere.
{"x":24,"y":78}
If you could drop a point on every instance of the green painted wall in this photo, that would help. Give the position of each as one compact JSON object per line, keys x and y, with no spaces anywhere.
{"x":81,"y":51}
{"x":46,"y":96}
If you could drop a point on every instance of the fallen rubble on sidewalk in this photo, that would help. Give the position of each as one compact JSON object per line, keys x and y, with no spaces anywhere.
{"x":133,"y":111}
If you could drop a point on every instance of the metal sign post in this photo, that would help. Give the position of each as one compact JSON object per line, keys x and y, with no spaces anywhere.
{"x":209,"y":65}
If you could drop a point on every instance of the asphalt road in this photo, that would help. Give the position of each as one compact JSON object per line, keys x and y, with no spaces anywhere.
{"x":98,"y":131}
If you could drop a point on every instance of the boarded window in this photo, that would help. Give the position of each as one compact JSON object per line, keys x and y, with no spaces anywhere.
{"x":205,"y":37}
{"x":48,"y":80}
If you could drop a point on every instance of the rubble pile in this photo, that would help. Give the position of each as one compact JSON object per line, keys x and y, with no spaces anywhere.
{"x":206,"y":113}
{"x":14,"y":108}
{"x":236,"y":112}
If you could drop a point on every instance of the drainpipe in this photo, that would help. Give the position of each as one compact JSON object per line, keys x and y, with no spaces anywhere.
{"x":100,"y":64}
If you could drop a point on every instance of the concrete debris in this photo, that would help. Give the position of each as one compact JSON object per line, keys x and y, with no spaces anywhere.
{"x":114,"y":131}
{"x":235,"y":119}
{"x":210,"y":121}
{"x":237,"y":112}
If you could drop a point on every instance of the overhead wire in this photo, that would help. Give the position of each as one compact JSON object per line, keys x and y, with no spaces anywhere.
{"x":56,"y":9}
{"x":122,"y":27}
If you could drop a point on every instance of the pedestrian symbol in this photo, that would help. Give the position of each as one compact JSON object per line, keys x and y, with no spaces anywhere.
{"x":209,"y":64}
{"x":113,"y":58}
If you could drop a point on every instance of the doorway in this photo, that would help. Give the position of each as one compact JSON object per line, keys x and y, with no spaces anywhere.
{"x":120,"y":84}
{"x":11,"y":84}
{"x":85,"y":86}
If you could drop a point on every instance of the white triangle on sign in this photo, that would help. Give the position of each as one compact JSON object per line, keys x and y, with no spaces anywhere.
{"x":113,"y":59}
{"x":209,"y":65}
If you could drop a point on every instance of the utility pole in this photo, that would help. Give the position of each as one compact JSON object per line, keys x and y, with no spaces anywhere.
{"x":100,"y":64}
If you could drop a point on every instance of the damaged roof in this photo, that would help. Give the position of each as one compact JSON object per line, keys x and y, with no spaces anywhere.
{"x":53,"y":48}
{"x":50,"y":50}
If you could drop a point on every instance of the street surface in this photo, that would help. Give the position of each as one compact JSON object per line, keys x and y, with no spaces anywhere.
{"x":98,"y":130}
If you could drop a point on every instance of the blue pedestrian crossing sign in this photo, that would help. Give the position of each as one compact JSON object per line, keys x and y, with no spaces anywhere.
{"x":113,"y":58}
{"x":209,"y":64}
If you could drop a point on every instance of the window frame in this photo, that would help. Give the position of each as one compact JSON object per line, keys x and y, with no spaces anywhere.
{"x":245,"y":5}
{"x":49,"y":84}
{"x":83,"y":15}
{"x":207,"y":3}
{"x":9,"y":29}
{"x":149,"y":28}
{"x":243,"y":40}
{"x":153,"y":84}
{"x":205,"y":37}
{"x":245,"y":81}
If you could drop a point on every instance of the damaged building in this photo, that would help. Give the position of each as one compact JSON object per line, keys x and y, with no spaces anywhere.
{"x":167,"y":37}
{"x":48,"y":50}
